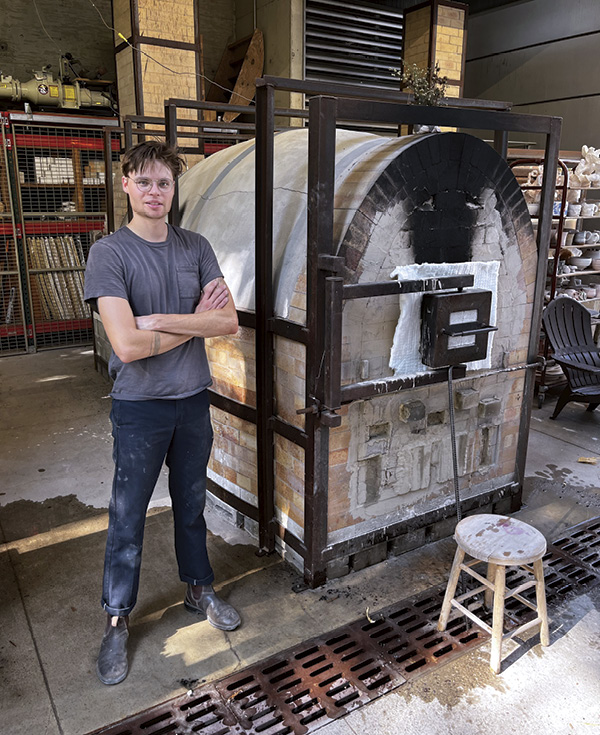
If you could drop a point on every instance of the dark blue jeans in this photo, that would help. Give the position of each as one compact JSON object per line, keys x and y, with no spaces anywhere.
{"x":145,"y":434}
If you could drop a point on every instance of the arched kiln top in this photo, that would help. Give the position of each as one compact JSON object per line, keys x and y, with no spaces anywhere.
{"x":414,"y":199}
{"x":217,"y":199}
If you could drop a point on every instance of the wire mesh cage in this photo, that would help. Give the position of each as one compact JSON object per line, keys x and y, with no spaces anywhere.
{"x":61,"y":179}
{"x":13,"y":335}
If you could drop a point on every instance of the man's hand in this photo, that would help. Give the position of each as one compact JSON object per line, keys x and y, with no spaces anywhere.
{"x":215,"y":316}
{"x":214,"y":296}
{"x":146,"y":322}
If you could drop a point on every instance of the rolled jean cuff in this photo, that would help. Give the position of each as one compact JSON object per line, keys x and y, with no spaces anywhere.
{"x":191,"y":580}
{"x":117,"y":611}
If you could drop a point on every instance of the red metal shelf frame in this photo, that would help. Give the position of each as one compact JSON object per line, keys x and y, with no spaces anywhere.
{"x":32,"y":140}
{"x":62,"y":228}
{"x":18,"y":330}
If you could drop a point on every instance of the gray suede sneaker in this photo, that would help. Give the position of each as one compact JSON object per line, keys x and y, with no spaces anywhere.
{"x":204,"y":601}
{"x":112,"y":666}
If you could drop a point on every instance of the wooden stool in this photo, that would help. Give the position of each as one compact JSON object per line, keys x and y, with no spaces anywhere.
{"x":501,"y":542}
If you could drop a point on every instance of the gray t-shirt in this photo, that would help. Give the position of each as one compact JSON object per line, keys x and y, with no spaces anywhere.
{"x":155,"y":278}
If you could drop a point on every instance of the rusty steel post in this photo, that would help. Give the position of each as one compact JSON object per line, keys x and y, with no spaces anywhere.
{"x":128,"y":136}
{"x":171,"y":138}
{"x":128,"y":132}
{"x":332,"y":366}
{"x":265,"y":408}
{"x":108,"y":181}
{"x":501,"y":143}
{"x":551,"y":155}
{"x":321,"y":168}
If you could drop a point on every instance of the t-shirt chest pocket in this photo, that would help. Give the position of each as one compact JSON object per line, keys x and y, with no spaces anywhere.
{"x":188,"y":281}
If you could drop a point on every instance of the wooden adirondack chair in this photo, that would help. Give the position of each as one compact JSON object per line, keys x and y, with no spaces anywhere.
{"x":568,"y":327}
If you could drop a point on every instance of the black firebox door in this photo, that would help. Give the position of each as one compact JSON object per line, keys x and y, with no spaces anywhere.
{"x":455,"y":327}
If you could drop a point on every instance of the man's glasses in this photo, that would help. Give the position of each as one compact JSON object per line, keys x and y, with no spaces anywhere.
{"x":145,"y":185}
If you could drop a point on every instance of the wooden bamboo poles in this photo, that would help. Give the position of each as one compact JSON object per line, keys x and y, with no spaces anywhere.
{"x":57,"y":271}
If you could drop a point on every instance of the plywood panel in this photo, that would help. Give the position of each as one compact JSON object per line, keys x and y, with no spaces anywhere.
{"x":173,"y":20}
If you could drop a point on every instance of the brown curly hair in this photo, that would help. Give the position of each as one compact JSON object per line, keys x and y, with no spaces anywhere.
{"x":145,"y":154}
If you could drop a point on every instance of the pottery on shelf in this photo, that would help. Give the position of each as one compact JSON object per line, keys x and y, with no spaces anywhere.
{"x":563,"y":237}
{"x":580,"y":262}
{"x":588,"y":209}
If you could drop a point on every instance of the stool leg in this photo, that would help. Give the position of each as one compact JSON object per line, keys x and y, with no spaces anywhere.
{"x":489,"y":594}
{"x":451,"y":588}
{"x":540,"y":597}
{"x":498,"y":619}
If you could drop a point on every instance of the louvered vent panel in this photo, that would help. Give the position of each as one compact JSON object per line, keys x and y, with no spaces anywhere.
{"x":354,"y":43}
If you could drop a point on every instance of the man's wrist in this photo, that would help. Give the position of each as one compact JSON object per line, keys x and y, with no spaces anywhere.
{"x":155,"y":323}
{"x":149,"y":322}
{"x":155,"y":346}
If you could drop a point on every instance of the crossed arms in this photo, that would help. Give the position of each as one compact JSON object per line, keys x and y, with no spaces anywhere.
{"x":134,"y":338}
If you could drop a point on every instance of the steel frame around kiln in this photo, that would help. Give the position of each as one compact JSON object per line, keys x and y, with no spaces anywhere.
{"x":326,"y":293}
{"x":325,"y":290}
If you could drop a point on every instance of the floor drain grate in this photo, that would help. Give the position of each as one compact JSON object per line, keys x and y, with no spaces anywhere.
{"x":563,"y":577}
{"x":308,"y":685}
{"x":406,"y":634}
{"x":582,"y":542}
{"x":305,"y":687}
{"x":203,"y":712}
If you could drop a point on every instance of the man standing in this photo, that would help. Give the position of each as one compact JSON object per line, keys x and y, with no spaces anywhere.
{"x":159,"y":292}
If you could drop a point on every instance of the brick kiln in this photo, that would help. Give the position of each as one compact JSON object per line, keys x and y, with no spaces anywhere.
{"x":428,"y":205}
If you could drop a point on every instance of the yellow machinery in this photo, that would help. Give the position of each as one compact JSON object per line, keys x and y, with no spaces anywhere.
{"x":46,"y":91}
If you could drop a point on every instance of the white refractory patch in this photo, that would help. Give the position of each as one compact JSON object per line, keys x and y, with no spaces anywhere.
{"x":405,"y":355}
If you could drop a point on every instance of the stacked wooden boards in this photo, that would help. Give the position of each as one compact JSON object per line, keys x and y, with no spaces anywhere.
{"x":57,"y":265}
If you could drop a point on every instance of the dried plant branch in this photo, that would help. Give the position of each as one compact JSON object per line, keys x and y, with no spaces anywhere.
{"x":427,"y":85}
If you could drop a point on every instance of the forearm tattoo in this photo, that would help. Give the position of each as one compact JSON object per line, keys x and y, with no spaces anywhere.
{"x":154,"y":350}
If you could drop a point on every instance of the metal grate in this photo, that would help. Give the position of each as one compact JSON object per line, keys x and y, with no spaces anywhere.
{"x":301,"y":689}
{"x":304,"y":688}
{"x":407,"y":635}
{"x":353,"y":42}
{"x":13,"y":338}
{"x":563,"y":577}
{"x":61,"y":182}
{"x":583,"y":543}
{"x":203,"y":712}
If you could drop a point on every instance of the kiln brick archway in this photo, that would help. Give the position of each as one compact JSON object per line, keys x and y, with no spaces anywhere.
{"x":439,"y":179}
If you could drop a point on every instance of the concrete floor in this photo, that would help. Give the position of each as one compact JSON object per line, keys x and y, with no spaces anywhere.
{"x":56,"y":470}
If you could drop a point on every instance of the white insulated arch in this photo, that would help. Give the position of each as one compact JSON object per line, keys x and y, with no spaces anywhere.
{"x":217,"y":199}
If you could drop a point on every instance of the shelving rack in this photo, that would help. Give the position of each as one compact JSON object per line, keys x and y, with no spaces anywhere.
{"x":565,"y":163}
{"x":558,"y":220}
{"x":12,"y":318}
{"x":53,"y":188}
{"x":581,"y":221}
